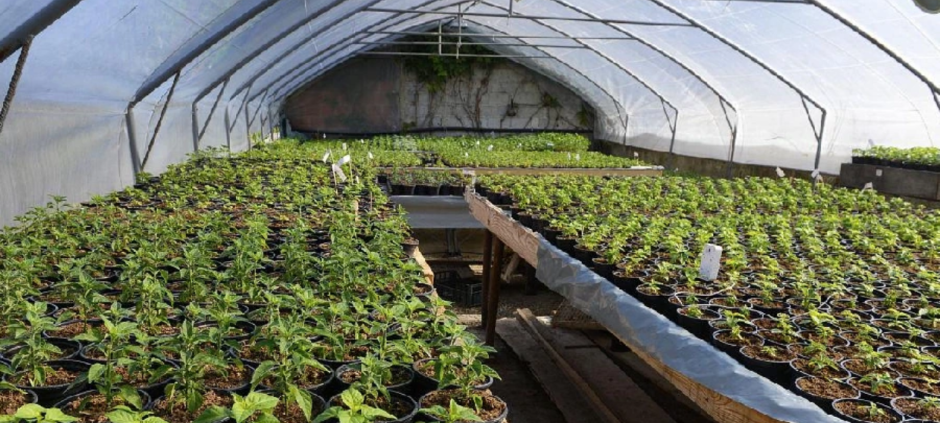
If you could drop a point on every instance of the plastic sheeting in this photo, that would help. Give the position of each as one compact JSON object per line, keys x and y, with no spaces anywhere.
{"x":650,"y":332}
{"x":87,"y":67}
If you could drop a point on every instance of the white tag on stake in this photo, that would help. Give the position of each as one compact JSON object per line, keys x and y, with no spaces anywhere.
{"x":344,"y":146}
{"x":780,"y":173}
{"x":636,"y":155}
{"x":490,"y":148}
{"x":711,"y":262}
{"x":815,"y":174}
{"x":868,"y":185}
{"x":344,"y":160}
{"x":326,"y":156}
{"x":338,"y":172}
{"x":370,"y":156}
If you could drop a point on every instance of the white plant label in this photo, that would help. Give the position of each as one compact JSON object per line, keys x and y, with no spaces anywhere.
{"x":466,"y":154}
{"x":868,"y":185}
{"x":469,"y":172}
{"x":519,"y":145}
{"x":478,"y":142}
{"x":324,"y":136}
{"x":780,"y":173}
{"x":344,"y":146}
{"x":344,"y":160}
{"x":338,"y":172}
{"x":569,"y":156}
{"x":636,"y":155}
{"x":815,"y":173}
{"x":577,"y":157}
{"x":711,"y":262}
{"x":879,"y":172}
{"x":818,"y":178}
{"x":371,"y":156}
{"x":326,"y":156}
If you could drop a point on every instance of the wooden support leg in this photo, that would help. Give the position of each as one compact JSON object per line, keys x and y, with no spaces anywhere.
{"x":531,"y":283}
{"x":487,"y":261}
{"x":492,"y":301}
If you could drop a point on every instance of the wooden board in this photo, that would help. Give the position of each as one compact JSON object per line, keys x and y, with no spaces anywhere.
{"x":525,"y":243}
{"x":518,"y":238}
{"x":428,"y":273}
{"x":632,"y":171}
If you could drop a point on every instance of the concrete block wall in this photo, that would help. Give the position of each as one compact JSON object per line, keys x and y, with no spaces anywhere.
{"x":377,"y":95}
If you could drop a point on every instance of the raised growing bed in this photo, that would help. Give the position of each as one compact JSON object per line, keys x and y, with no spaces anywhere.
{"x":654,"y":216}
{"x":230,"y":289}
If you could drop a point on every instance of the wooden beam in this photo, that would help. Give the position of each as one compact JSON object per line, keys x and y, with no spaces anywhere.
{"x":487,"y":262}
{"x":492,"y":293}
{"x":518,"y":238}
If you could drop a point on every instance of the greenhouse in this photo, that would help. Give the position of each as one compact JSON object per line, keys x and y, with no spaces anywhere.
{"x":405,"y":211}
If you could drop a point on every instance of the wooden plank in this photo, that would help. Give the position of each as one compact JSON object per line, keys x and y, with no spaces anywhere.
{"x":525,"y":242}
{"x":632,"y":171}
{"x":518,"y":238}
{"x":511,"y":267}
{"x":624,"y":397}
{"x":529,"y":322}
{"x":428,"y":273}
{"x":573,"y":406}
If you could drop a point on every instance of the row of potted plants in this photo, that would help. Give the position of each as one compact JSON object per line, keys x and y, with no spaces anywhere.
{"x":832,"y":293}
{"x":916,"y":158}
{"x":253,"y":288}
{"x":424,"y":182}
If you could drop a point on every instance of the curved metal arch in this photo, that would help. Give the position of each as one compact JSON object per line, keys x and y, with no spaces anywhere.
{"x":740,"y":50}
{"x":287,"y":52}
{"x":35,"y":24}
{"x":597,"y":52}
{"x":284,"y":90}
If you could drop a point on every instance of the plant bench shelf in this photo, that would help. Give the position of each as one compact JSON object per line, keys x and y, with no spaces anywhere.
{"x":631,"y":171}
{"x":525,"y":243}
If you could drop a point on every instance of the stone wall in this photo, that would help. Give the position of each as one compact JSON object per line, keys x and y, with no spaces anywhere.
{"x":376,"y":95}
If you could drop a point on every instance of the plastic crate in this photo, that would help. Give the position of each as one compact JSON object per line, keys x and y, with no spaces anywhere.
{"x":464,"y":292}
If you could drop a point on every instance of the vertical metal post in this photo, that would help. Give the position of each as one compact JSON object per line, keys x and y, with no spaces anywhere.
{"x":673,"y":124}
{"x":492,"y":301}
{"x":734,"y":138}
{"x":487,"y":262}
{"x":247,"y":125}
{"x":132,"y":139}
{"x":195,"y":127}
{"x":228,"y":131}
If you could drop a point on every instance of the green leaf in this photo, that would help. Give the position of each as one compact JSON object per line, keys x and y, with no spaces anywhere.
{"x":304,"y":400}
{"x":376,"y":412}
{"x":56,"y":415}
{"x":130,"y":394}
{"x":122,"y":415}
{"x":352,"y":398}
{"x":29,"y":412}
{"x":95,"y":372}
{"x":213,"y":414}
{"x":263,"y":370}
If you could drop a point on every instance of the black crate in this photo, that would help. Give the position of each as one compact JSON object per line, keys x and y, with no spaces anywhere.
{"x":464,"y":292}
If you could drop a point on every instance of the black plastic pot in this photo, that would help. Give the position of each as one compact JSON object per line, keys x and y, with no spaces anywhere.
{"x":697,"y":326}
{"x":404,"y":387}
{"x":836,"y":411}
{"x":423,"y":384}
{"x":49,"y":395}
{"x":732,"y":350}
{"x":456,"y":190}
{"x":776,"y":371}
{"x":626,"y":284}
{"x":500,"y":419}
{"x":602,"y":268}
{"x":153,"y":406}
{"x":824,"y":403}
{"x":63,"y":404}
{"x":658,"y":302}
{"x":335,"y":401}
{"x":584,"y":255}
{"x":74,"y":346}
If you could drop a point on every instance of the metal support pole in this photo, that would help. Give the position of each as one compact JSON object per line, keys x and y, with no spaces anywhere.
{"x":156,"y":130}
{"x":247,"y":121}
{"x":487,"y":263}
{"x":673,"y":124}
{"x":228,"y":132}
{"x":33,"y":25}
{"x":15,"y":81}
{"x":492,"y":301}
{"x":205,"y":126}
{"x":132,"y":140}
{"x":195,"y":127}
{"x":734,"y":139}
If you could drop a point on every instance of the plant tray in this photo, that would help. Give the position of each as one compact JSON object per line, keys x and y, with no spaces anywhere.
{"x":463,"y":292}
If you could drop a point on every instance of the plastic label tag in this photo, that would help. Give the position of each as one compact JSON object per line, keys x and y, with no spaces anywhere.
{"x":815,"y":174}
{"x":324,"y":136}
{"x":636,"y":155}
{"x":344,"y":160}
{"x":711,"y":262}
{"x":868,"y":185}
{"x":371,"y":156}
{"x":344,"y":146}
{"x":338,"y":172}
{"x":780,"y":173}
{"x":577,"y":157}
{"x":490,"y":148}
{"x":469,"y":172}
{"x":465,"y":154}
{"x":326,"y":156}
{"x":478,"y":142}
{"x":879,"y":172}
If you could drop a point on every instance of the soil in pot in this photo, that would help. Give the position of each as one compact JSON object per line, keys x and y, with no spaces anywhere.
{"x":10,"y":401}
{"x":917,"y":408}
{"x":176,"y":412}
{"x":401,"y":377}
{"x":884,"y":393}
{"x":234,"y":378}
{"x":494,"y":409}
{"x":401,"y":406}
{"x":862,"y":411}
{"x":57,"y":383}
{"x":91,"y":406}
{"x":823,"y":391}
{"x":725,"y":341}
{"x":312,"y":379}
{"x":290,"y":412}
{"x":68,"y":349}
{"x":770,"y":360}
{"x":921,"y":386}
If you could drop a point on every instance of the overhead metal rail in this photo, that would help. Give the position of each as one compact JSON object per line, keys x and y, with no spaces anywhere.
{"x":457,"y":55}
{"x":519,"y":37}
{"x":531,"y":17}
{"x":460,"y":44}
